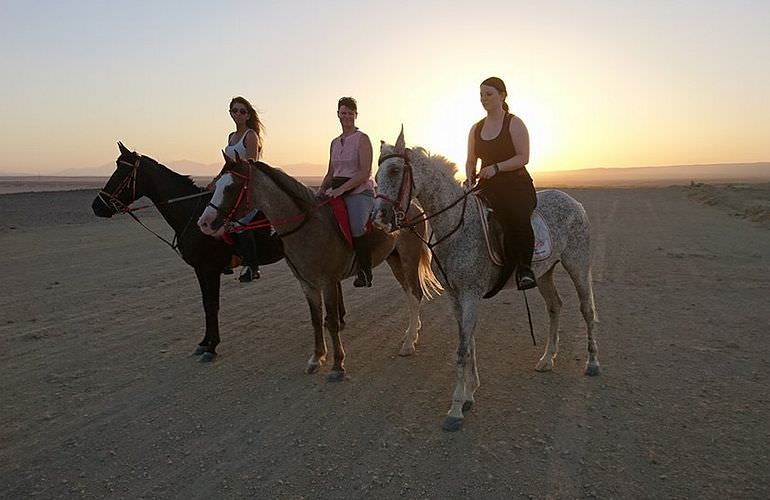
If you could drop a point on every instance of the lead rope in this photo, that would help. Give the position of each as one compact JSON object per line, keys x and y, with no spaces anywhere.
{"x":529,"y":317}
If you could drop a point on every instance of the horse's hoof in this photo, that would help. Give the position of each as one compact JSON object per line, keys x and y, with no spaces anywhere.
{"x":452,"y":424}
{"x":207,"y":357}
{"x":199,"y":350}
{"x":311,"y":368}
{"x":407,"y":350}
{"x":467,"y":406}
{"x":335,"y":376}
{"x":544,"y":366}
{"x":592,"y":370}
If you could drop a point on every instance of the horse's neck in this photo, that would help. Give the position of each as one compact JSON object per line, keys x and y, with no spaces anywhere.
{"x":442,"y":193}
{"x":163,"y":185}
{"x":271,"y":199}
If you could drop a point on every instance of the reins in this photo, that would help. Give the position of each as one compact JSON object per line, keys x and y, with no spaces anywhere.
{"x":237,"y":226}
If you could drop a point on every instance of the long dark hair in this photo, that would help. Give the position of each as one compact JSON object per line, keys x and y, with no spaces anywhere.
{"x":498,"y":85}
{"x":253,"y":122}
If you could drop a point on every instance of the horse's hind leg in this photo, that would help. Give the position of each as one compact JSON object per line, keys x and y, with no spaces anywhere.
{"x":553,"y":303}
{"x":407,"y":275}
{"x":333,"y":324}
{"x":313,"y":298}
{"x":581,"y":276}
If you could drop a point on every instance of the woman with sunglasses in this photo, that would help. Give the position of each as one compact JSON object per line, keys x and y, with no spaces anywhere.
{"x":350,"y":176}
{"x":247,"y":142}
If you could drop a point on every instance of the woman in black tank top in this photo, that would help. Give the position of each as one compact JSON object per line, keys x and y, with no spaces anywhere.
{"x":501,"y":142}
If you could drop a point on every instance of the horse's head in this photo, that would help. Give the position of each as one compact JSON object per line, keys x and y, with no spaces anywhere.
{"x":395,"y":185}
{"x":123,"y":187}
{"x":231,"y":199}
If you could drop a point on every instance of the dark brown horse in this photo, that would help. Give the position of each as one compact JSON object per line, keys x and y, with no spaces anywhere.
{"x":136,"y":176}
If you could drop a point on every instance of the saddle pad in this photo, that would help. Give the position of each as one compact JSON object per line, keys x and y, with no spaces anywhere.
{"x":540,"y":227}
{"x":340,"y":211}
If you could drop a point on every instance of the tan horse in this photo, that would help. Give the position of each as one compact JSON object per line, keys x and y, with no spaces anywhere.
{"x":315,"y":250}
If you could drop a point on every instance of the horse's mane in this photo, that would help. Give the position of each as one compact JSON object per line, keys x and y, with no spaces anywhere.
{"x":302,"y":194}
{"x":184,"y":179}
{"x":439,"y":163}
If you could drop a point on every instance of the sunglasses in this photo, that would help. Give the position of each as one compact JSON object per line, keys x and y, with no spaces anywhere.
{"x":241,"y":111}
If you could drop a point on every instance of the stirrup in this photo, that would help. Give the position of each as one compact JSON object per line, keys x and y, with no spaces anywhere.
{"x":248,"y":274}
{"x":363,"y":280}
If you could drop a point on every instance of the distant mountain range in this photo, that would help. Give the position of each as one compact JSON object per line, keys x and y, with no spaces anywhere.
{"x":655,"y":176}
{"x":620,"y":176}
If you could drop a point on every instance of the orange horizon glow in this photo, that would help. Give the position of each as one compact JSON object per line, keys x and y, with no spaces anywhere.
{"x":602,"y":84}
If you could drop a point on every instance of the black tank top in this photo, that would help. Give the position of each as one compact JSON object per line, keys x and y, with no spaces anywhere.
{"x":498,"y":150}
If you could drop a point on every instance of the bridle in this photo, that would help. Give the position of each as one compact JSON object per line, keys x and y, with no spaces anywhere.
{"x":111,"y":199}
{"x":243,"y":194}
{"x":404,"y":200}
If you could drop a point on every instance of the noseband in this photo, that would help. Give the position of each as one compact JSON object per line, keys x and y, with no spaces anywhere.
{"x":401,"y":204}
{"x":244,"y":193}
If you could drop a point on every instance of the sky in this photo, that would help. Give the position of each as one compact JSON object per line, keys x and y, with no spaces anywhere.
{"x":599,"y":83}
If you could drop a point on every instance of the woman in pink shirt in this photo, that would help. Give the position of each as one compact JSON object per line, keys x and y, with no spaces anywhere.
{"x":350,"y":176}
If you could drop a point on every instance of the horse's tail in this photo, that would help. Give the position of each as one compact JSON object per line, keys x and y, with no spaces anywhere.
{"x":429,"y":284}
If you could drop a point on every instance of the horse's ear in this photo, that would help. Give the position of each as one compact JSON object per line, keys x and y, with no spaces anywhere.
{"x":123,"y":150}
{"x":382,"y":144}
{"x":400,"y":143}
{"x":224,"y":155}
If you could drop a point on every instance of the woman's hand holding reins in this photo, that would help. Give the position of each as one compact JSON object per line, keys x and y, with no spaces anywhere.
{"x":489,"y":171}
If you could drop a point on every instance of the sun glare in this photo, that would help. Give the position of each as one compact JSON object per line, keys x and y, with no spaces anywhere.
{"x":453,"y":113}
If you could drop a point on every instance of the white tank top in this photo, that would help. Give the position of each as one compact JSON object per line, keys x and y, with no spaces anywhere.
{"x":239,"y":147}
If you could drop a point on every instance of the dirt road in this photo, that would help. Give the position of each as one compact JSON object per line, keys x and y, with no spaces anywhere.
{"x":101,"y":399}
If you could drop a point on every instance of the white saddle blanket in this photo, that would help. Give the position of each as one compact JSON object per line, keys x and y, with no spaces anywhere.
{"x":540,"y":227}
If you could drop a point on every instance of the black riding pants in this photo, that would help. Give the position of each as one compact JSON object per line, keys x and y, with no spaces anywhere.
{"x":513,"y":199}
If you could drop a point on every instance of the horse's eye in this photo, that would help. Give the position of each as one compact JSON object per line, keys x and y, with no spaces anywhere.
{"x":395,"y":171}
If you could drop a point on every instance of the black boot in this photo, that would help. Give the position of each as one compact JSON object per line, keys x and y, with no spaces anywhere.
{"x":246,"y":246}
{"x":364,"y":258}
{"x":525,"y":278}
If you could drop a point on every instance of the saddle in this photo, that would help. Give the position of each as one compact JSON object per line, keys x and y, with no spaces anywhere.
{"x":340,"y":212}
{"x":493,"y":234}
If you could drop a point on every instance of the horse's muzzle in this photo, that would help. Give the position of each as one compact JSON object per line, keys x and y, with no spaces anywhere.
{"x":383,"y":218}
{"x":101,"y":209}
{"x":210,"y":221}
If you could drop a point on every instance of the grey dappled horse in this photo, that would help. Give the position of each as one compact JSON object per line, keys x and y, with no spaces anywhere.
{"x":405,"y":174}
{"x":316,"y":251}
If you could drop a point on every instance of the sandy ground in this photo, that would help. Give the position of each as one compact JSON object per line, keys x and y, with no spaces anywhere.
{"x":100,"y":398}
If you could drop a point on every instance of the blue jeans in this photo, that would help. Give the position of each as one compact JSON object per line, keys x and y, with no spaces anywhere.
{"x":359,"y":207}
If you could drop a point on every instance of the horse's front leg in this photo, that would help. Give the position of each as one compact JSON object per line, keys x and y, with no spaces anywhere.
{"x":314,"y":301}
{"x":410,"y":284}
{"x":466,"y":307}
{"x":209,"y":282}
{"x":331,"y":303}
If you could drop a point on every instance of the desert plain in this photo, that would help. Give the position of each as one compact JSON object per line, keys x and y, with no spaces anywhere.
{"x":101,"y":398}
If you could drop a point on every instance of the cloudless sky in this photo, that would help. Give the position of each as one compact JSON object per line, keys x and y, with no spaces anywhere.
{"x":599,"y":83}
